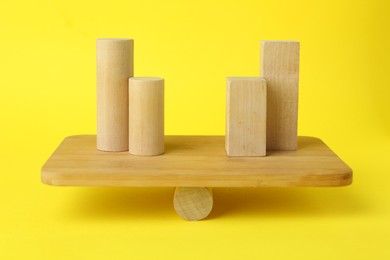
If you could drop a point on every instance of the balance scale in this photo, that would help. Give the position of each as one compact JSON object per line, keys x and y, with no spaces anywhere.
{"x":261,"y":147}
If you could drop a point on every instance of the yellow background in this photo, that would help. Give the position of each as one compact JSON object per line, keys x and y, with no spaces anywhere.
{"x":47,"y":92}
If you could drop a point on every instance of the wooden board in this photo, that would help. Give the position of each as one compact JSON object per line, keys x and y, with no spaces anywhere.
{"x":246,"y":101}
{"x":280,"y":67}
{"x":194,"y":161}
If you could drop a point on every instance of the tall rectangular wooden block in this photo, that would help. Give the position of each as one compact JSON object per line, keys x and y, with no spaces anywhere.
{"x":280,"y":67}
{"x":246,"y":99}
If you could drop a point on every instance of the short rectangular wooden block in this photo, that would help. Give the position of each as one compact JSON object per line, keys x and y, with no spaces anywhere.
{"x":246,"y":99}
{"x":280,"y":67}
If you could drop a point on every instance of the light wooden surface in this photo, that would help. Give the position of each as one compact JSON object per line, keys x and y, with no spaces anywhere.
{"x":146,"y":116}
{"x":114,"y":66}
{"x":246,"y":101}
{"x":280,"y":68}
{"x":194,"y":161}
{"x":193,"y":203}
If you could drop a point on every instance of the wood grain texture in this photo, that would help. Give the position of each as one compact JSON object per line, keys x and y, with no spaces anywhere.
{"x":280,"y":67}
{"x":194,"y":161}
{"x":193,"y":203}
{"x":146,"y":116}
{"x":114,"y":66}
{"x":246,"y":101}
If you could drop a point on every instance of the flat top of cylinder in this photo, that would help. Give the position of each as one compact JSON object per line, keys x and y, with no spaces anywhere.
{"x":146,"y":78}
{"x":281,"y":41}
{"x":114,"y":39}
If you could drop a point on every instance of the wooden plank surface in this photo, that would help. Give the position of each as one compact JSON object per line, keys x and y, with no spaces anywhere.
{"x":194,"y":161}
{"x":280,"y":67}
{"x":246,"y":101}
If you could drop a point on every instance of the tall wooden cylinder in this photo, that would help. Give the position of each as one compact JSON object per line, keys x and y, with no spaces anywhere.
{"x":146,"y":116}
{"x":114,"y":66}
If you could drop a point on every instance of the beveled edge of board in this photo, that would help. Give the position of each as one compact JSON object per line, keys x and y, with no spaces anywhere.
{"x":343,"y":177}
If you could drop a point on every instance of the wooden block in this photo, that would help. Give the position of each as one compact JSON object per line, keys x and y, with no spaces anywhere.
{"x":114,"y":66}
{"x":193,"y":203}
{"x":246,"y":99}
{"x":146,"y":116}
{"x":280,"y":67}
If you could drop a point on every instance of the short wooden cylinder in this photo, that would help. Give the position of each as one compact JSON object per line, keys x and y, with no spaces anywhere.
{"x":193,"y":203}
{"x":114,"y":66}
{"x":146,"y":116}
